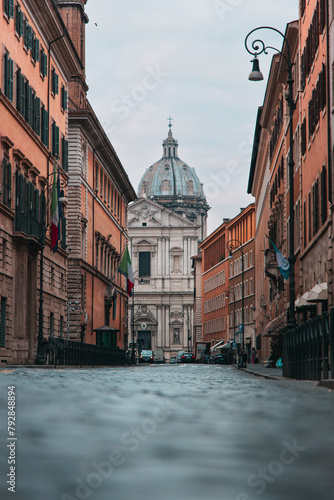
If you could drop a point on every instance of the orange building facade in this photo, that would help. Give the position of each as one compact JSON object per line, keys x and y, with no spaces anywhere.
{"x":42,"y":78}
{"x":99,"y":191}
{"x":33,"y":128}
{"x":223,"y":279}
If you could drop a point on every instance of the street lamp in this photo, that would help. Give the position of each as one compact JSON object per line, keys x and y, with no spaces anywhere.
{"x":63,"y":183}
{"x":233,"y":245}
{"x":257,"y":47}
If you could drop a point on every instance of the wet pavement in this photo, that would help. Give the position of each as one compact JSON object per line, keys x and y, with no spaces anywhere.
{"x":166,"y":433}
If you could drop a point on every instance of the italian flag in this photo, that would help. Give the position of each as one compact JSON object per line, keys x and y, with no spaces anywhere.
{"x":55,"y":214}
{"x":125,"y":268}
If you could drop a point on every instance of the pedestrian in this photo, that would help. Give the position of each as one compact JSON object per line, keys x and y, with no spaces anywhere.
{"x":254,"y":355}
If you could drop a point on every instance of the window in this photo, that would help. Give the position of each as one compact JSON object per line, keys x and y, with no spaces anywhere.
{"x":19,"y":17}
{"x":35,"y":48}
{"x":9,"y":8}
{"x":64,"y":153}
{"x":323,"y":195}
{"x":8,"y":66}
{"x":7,"y":182}
{"x":43,"y":63}
{"x":27,"y":34}
{"x":44,"y":126}
{"x":144,"y":264}
{"x":3,"y":308}
{"x":63,"y":98}
{"x":54,"y":82}
{"x":55,"y":139}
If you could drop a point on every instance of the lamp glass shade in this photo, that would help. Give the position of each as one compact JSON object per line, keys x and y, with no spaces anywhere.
{"x":255,"y":75}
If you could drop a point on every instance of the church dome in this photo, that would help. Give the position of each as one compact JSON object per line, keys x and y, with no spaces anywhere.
{"x":170,"y":177}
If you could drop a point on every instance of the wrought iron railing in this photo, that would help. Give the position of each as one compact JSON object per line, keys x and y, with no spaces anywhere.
{"x":58,"y":351}
{"x":308,"y":349}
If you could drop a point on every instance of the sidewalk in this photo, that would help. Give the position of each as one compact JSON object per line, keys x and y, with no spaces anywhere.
{"x":261,"y":371}
{"x":277,"y":374}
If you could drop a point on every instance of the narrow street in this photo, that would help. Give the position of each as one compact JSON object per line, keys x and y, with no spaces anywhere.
{"x":167,"y":432}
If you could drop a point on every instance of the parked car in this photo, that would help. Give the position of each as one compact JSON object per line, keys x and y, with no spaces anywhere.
{"x":172,"y":360}
{"x":188,"y":357}
{"x":159,"y":356}
{"x":146,"y":357}
{"x":221,"y":359}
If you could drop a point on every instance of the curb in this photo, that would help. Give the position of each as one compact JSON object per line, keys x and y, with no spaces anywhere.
{"x":263,"y":375}
{"x":328,"y":384}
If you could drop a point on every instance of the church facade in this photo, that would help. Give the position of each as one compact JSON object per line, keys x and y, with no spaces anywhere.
{"x":165,"y":225}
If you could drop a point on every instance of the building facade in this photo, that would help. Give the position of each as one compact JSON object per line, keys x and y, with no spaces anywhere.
{"x":35,"y":70}
{"x":99,"y":191}
{"x":42,"y":71}
{"x":228,"y":271}
{"x":165,"y":225}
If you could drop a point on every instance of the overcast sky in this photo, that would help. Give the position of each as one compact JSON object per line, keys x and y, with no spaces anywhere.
{"x":150,"y":59}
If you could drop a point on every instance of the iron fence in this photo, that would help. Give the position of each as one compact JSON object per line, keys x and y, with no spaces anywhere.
{"x":58,"y":351}
{"x":308,"y":349}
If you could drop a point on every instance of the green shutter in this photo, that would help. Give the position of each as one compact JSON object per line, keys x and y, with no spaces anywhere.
{"x":27,"y":102}
{"x":18,"y":90}
{"x":29,"y":37}
{"x":63,"y":233}
{"x":36,"y":50}
{"x":21,"y":23}
{"x":11,"y":9}
{"x":3,"y":322}
{"x":37,"y":124}
{"x":64,"y":151}
{"x":23,"y":95}
{"x":45,"y":65}
{"x":6,"y":73}
{"x":63,"y":98}
{"x":56,"y":84}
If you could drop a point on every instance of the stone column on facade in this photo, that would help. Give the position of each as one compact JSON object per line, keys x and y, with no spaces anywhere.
{"x":159,"y":255}
{"x":168,"y":257}
{"x":167,"y":325}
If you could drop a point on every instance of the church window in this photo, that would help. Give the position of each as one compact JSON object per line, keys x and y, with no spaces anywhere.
{"x":165,"y":187}
{"x":144,"y":264}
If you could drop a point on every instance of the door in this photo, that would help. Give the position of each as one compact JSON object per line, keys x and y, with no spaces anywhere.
{"x":144,"y":340}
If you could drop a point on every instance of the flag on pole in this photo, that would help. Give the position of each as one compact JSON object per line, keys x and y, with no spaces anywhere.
{"x":55,"y":211}
{"x":283,"y":264}
{"x":125,"y":268}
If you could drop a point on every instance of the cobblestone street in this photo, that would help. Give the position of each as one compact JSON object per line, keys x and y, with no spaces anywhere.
{"x":167,"y":432}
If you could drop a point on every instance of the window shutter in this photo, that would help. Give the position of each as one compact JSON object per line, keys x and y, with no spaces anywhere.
{"x":11,"y":9}
{"x":45,"y":65}
{"x":63,"y":233}
{"x":46,"y":125}
{"x":18,"y":90}
{"x":37,"y":125}
{"x":21,"y":23}
{"x":29,"y":37}
{"x":56,"y":84}
{"x":64,"y":150}
{"x":11,"y":79}
{"x":36,"y":50}
{"x":27,"y":102}
{"x":23,"y":95}
{"x":57,"y":140}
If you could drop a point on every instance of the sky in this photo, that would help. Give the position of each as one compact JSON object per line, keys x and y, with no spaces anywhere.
{"x":151,"y":59}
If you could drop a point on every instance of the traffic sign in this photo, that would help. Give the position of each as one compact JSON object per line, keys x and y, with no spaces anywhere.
{"x":241,"y":327}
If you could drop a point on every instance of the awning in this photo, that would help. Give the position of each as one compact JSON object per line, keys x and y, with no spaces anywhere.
{"x":216,"y":345}
{"x":274,"y":325}
{"x":319,"y":293}
{"x":301,"y":301}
